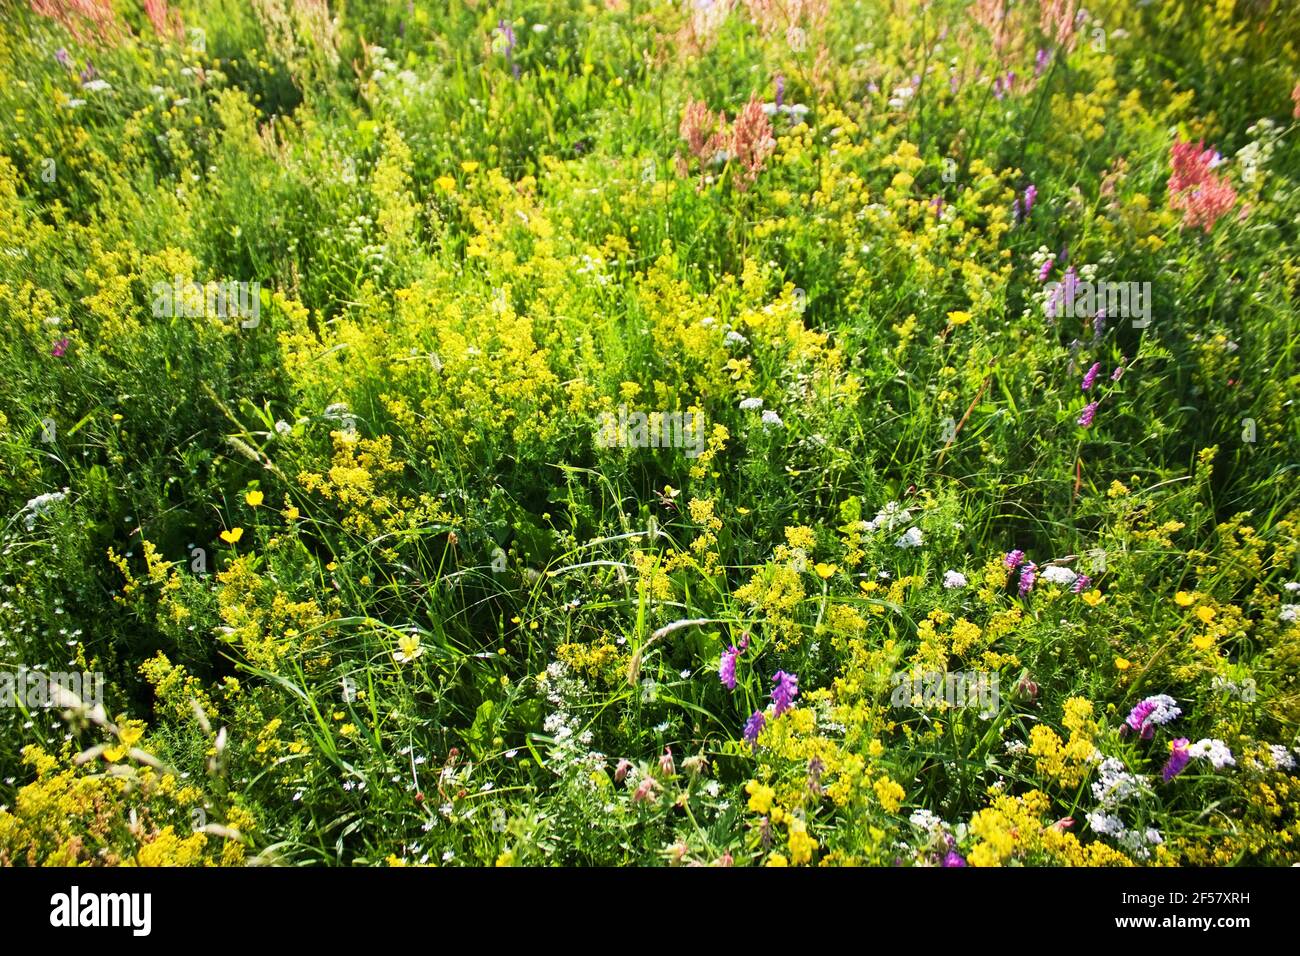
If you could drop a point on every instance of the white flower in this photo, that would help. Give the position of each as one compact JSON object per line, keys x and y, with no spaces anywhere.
{"x":954,"y":579}
{"x":735,"y":338}
{"x":1105,"y":823}
{"x":1055,"y":574}
{"x":1281,"y":757}
{"x":41,"y":506}
{"x":76,"y":101}
{"x":96,"y":86}
{"x":1215,"y":751}
{"x":750,"y":404}
{"x":771,"y":418}
{"x":1291,"y":586}
{"x":1288,"y":612}
{"x":925,"y":820}
{"x":911,"y":538}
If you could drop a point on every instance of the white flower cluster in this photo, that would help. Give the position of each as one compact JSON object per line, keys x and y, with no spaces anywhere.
{"x":1215,"y":751}
{"x":1114,"y":784}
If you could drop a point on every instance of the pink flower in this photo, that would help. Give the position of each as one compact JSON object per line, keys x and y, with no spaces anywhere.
{"x":60,"y":347}
{"x":751,"y":142}
{"x":1088,"y":414}
{"x":1195,"y":190}
{"x":666,"y":765}
{"x":1090,"y":377}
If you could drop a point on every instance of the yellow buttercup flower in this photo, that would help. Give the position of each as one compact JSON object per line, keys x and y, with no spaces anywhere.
{"x":1203,"y":642}
{"x":824,"y":570}
{"x":1092,"y":598}
{"x":959,"y":318}
{"x":408,"y":649}
{"x":254,"y":498}
{"x":446,"y":184}
{"x":1122,"y":663}
{"x":1183,"y":599}
{"x":232,"y":536}
{"x":1205,"y":614}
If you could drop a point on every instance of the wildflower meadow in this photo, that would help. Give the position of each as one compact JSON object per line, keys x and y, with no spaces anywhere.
{"x":727,"y":433}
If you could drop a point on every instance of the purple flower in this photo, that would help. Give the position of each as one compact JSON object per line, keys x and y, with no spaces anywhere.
{"x":1046,"y":270}
{"x":1081,"y":584}
{"x":1089,"y":412}
{"x":1119,"y":370}
{"x":1031,"y":193}
{"x":954,"y":84}
{"x":780,"y":90}
{"x":62,"y":56}
{"x":784,"y":693}
{"x":1013,"y":559}
{"x":754,"y":726}
{"x":953,"y":859}
{"x":88,"y":73}
{"x":1041,"y":60}
{"x":1151,"y":713}
{"x":1090,"y":378}
{"x":727,"y":667}
{"x":1178,"y":759}
{"x":60,"y":347}
{"x":1028,"y":574}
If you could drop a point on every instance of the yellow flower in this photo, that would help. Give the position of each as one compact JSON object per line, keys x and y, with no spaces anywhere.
{"x":408,"y":649}
{"x":824,"y":570}
{"x":959,"y":318}
{"x":1206,"y":614}
{"x":1183,"y":599}
{"x":1203,"y":642}
{"x":760,"y":797}
{"x":1092,"y":598}
{"x":1122,"y":663}
{"x":232,"y":536}
{"x":469,"y":166}
{"x":254,"y":498}
{"x":446,"y":184}
{"x":291,"y":513}
{"x":777,"y":859}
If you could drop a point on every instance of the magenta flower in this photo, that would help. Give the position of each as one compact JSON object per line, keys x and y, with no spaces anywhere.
{"x":1031,"y":193}
{"x":727,"y":667}
{"x":1179,"y":756}
{"x":60,"y":347}
{"x":754,"y":726}
{"x":1046,"y":269}
{"x":1119,"y":370}
{"x":784,"y":693}
{"x":1151,"y":713}
{"x":1090,"y":377}
{"x":1088,"y":414}
{"x":1013,"y":559}
{"x":1028,"y":575}
{"x":953,"y":859}
{"x":1081,"y":584}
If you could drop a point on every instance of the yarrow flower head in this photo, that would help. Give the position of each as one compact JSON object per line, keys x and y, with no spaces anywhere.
{"x":784,"y":693}
{"x":1215,"y":751}
{"x":954,"y":579}
{"x":1151,"y":713}
{"x":727,"y":667}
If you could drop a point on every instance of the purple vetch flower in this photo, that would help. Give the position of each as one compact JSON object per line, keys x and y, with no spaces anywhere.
{"x":780,"y":90}
{"x":1088,"y":414}
{"x":1046,"y":270}
{"x":754,"y":726}
{"x":1043,"y":58}
{"x":1119,"y":370}
{"x":1179,"y":756}
{"x":1090,"y":377}
{"x":727,"y":667}
{"x":953,"y":859}
{"x":61,"y":55}
{"x":784,"y":693}
{"x":1150,"y":713}
{"x":937,"y":203}
{"x":1013,"y":559}
{"x":1031,"y":194}
{"x":1028,"y":575}
{"x":1081,"y":584}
